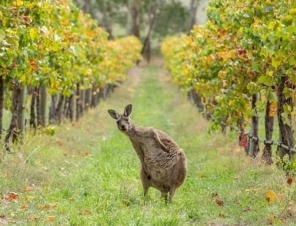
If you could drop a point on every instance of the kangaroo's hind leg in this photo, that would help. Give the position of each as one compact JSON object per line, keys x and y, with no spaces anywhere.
{"x":171,"y":193}
{"x":164,"y":195}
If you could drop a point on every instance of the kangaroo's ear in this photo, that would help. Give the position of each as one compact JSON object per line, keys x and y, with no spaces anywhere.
{"x":113,"y":114}
{"x":128,"y":110}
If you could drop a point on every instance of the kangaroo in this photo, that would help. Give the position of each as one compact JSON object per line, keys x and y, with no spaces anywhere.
{"x":163,"y":163}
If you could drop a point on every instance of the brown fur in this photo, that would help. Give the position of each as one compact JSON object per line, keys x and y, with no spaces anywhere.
{"x":163,"y":163}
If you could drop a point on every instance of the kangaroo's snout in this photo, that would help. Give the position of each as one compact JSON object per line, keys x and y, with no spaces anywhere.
{"x":123,"y":123}
{"x":123,"y":127}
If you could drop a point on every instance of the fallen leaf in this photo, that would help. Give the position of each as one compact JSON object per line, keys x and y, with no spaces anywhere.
{"x":219,"y":202}
{"x":28,"y":189}
{"x":289,"y":180}
{"x":50,"y":218}
{"x":24,"y":207}
{"x":11,"y":196}
{"x":271,"y":196}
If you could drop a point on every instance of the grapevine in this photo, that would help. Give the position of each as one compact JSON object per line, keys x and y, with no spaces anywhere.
{"x":236,"y":63}
{"x":51,"y":47}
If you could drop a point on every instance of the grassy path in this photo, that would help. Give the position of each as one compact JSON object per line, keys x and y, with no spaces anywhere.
{"x":88,"y":173}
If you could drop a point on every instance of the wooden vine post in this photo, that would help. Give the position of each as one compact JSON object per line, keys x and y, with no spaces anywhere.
{"x":269,"y":123}
{"x":285,"y":107}
{"x":254,"y":141}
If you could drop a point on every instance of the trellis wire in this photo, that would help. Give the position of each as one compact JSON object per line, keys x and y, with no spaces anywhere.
{"x":271,"y":142}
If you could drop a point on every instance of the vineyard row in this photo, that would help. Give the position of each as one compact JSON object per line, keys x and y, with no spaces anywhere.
{"x":53,"y":55}
{"x":241,"y":65}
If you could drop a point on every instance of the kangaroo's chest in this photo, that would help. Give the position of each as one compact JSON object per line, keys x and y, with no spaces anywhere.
{"x":155,"y":161}
{"x":148,"y":147}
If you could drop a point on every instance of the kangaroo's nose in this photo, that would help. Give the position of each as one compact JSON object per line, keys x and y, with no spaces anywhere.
{"x":123,"y":128}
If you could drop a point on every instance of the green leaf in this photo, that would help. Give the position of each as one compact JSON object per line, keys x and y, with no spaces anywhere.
{"x":291,"y":29}
{"x":266,"y":80}
{"x":253,"y":87}
{"x":275,"y":63}
{"x":271,"y":96}
{"x":292,"y":60}
{"x":285,"y":118}
{"x":287,"y":109}
{"x":255,"y":66}
{"x":287,"y":92}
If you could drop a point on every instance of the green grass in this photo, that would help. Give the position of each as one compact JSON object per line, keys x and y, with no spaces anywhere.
{"x":88,"y":173}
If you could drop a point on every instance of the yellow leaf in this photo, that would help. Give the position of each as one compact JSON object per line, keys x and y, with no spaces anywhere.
{"x":65,"y":22}
{"x":271,"y":196}
{"x":222,"y":74}
{"x":271,"y":25}
{"x":90,"y":33}
{"x":33,"y":33}
{"x":269,"y":73}
{"x":185,"y":71}
{"x":275,"y":63}
{"x":18,"y":3}
{"x":292,"y":11}
{"x":256,"y":21}
{"x":226,"y":55}
{"x":23,"y":79}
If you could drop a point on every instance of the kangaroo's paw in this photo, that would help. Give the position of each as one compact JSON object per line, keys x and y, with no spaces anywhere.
{"x":154,"y":134}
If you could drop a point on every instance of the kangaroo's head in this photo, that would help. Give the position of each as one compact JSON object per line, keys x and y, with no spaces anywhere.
{"x":123,"y":121}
